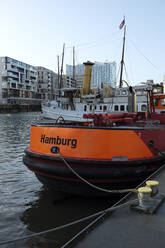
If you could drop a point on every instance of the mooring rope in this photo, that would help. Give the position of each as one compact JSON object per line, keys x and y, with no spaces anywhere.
{"x":98,"y":215}
{"x":94,"y":186}
{"x":103,"y":212}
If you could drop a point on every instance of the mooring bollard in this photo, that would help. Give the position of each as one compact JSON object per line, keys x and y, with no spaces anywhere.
{"x":153,"y":185}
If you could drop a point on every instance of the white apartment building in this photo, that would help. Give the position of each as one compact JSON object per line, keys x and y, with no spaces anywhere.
{"x":47,"y":83}
{"x":18,"y":82}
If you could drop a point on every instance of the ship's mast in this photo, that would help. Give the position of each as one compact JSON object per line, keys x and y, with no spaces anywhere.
{"x":62,"y":65}
{"x":73,"y":63}
{"x":58,"y":75}
{"x":122,"y":59}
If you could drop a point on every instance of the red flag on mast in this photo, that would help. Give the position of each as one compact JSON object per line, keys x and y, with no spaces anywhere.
{"x":122,"y":24}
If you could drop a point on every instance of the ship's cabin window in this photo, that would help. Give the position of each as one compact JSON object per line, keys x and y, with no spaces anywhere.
{"x":90,"y":107}
{"x":156,"y":101}
{"x":100,"y":107}
{"x":137,"y":108}
{"x":143,"y":107}
{"x":85,"y":108}
{"x":122,"y":108}
{"x":116,"y":108}
{"x":162,"y":102}
{"x":95,"y":107}
{"x":62,"y":105}
{"x":66,"y":106}
{"x":104,"y":108}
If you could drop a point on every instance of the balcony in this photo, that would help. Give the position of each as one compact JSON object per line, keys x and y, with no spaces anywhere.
{"x":13,"y":86}
{"x":10,"y":81}
{"x":28,"y":87}
{"x":33,"y":77}
{"x":11,"y":68}
{"x":20,"y":86}
{"x":10,"y":74}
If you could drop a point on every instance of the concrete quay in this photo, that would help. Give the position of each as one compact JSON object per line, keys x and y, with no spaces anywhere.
{"x":15,"y":108}
{"x":126,"y":227}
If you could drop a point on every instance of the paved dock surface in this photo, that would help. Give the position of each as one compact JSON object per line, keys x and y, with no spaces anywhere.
{"x":125,"y":227}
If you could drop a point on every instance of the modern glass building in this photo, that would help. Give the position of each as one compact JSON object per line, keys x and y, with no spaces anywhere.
{"x":102,"y":73}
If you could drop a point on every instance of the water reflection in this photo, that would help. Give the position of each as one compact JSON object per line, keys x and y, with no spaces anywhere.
{"x":56,"y":209}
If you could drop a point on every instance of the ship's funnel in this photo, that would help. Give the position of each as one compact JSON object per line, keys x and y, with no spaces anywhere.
{"x":132,"y":101}
{"x":87,"y":77}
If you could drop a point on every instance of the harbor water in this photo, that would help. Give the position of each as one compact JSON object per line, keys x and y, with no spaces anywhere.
{"x":26,"y":206}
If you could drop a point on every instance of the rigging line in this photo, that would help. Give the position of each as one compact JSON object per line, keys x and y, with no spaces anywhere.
{"x":128,"y":80}
{"x":117,"y":53}
{"x":144,"y":55}
{"x":88,"y":43}
{"x":130,"y":64}
{"x":107,"y":43}
{"x":118,"y":72}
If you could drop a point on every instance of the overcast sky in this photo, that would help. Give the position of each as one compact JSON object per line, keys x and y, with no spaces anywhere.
{"x":34,"y":32}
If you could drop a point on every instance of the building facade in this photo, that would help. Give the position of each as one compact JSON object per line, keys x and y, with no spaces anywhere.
{"x":102,"y":73}
{"x":18,"y":82}
{"x":47,"y":83}
{"x":76,"y":82}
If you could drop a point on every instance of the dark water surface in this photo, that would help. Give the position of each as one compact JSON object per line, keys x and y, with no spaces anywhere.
{"x":26,"y":207}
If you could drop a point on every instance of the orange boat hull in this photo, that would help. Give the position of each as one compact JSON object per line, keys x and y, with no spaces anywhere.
{"x":114,"y":158}
{"x":88,"y":143}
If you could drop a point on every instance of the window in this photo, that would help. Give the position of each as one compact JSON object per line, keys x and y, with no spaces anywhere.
{"x":104,"y":108}
{"x":13,"y":85}
{"x":143,"y":107}
{"x":100,"y":107}
{"x":116,"y":108}
{"x":156,"y":101}
{"x":162,"y":102}
{"x":85,"y":108}
{"x":122,"y":108}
